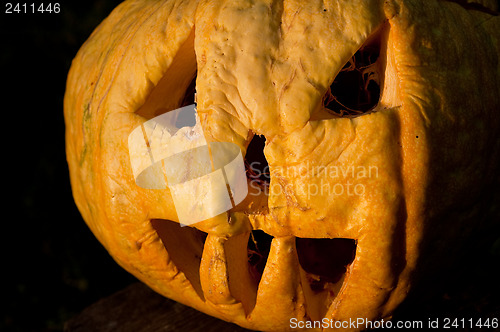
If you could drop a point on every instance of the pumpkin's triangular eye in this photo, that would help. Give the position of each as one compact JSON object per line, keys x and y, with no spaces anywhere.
{"x":356,"y":88}
{"x":177,"y":87}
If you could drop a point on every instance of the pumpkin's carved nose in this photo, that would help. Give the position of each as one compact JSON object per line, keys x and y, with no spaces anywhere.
{"x":256,"y":163}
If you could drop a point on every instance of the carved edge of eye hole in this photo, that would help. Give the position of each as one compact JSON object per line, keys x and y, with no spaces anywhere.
{"x":178,"y":83}
{"x":356,"y":90}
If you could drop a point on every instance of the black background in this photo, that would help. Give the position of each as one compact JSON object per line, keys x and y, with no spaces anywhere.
{"x":52,"y":266}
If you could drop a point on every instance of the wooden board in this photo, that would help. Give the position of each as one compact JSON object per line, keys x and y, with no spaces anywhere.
{"x":138,"y":309}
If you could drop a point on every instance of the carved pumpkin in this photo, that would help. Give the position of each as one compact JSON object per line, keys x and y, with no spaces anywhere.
{"x":377,"y":121}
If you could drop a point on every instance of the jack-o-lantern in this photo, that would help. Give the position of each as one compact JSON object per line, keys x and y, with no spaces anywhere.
{"x":372,"y":123}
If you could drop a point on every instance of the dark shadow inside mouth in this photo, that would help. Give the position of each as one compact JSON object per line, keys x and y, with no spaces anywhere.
{"x":185,"y":248}
{"x":259,"y":245}
{"x":325,"y":260}
{"x":256,"y":165}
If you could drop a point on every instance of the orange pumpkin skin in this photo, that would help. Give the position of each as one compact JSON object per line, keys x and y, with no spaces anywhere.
{"x":264,"y":68}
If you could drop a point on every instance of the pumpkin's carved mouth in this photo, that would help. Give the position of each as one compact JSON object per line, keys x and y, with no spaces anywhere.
{"x":323,"y":262}
{"x":184,"y":246}
{"x":326,"y":260}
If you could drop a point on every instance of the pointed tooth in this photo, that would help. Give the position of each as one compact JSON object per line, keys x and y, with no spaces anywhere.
{"x":213,"y":272}
{"x":314,"y":301}
{"x":318,"y":302}
{"x":280,"y":287}
{"x":241,"y":284}
{"x":225,"y":279}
